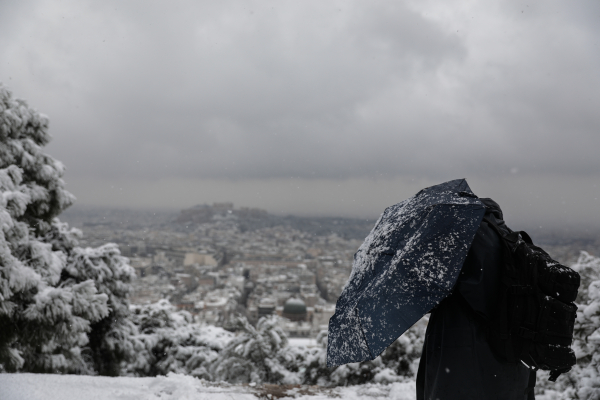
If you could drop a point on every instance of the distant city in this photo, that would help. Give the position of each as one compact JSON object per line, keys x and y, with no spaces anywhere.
{"x":217,"y":261}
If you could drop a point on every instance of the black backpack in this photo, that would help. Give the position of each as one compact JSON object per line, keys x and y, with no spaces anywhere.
{"x":536,"y":314}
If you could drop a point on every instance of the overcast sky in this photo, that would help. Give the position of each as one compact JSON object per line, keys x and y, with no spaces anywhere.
{"x":316,"y":107}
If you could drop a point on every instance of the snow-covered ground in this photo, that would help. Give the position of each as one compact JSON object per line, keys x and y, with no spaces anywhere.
{"x":306,"y":342}
{"x":183,"y":387}
{"x":180,"y":387}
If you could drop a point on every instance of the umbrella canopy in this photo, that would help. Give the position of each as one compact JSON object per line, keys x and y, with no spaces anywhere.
{"x":408,"y":264}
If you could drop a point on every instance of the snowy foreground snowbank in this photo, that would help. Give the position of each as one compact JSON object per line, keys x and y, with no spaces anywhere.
{"x":183,"y":387}
{"x":180,"y":387}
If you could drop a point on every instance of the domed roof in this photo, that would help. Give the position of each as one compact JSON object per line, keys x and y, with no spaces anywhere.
{"x":294,"y":306}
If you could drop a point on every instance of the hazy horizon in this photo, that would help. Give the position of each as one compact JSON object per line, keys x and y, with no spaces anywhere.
{"x":548,"y":228}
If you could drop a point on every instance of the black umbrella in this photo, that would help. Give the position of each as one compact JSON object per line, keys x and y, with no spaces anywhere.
{"x":408,"y":264}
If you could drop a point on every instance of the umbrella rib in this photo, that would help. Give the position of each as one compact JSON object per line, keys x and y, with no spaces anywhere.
{"x":362,"y":332}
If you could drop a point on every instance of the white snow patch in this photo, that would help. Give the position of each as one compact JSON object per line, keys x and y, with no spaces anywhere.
{"x":303,"y":342}
{"x":175,"y":386}
{"x":77,"y":387}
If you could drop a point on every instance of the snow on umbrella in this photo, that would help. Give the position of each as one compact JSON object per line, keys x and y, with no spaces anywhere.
{"x":407,"y":264}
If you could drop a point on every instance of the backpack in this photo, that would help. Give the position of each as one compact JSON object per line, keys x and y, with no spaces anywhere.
{"x":536,"y":311}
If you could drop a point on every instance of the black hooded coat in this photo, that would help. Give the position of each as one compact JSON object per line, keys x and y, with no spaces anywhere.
{"x":457,"y":362}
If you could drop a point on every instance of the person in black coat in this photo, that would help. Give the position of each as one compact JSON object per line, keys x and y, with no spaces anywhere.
{"x":457,"y":362}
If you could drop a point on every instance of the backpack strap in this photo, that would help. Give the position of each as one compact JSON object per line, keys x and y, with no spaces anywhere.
{"x":506,"y":248}
{"x":525,"y":236}
{"x":505,"y":235}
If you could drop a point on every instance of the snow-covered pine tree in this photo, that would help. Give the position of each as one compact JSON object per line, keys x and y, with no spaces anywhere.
{"x":255,"y":355}
{"x":62,"y":308}
{"x":169,"y":341}
{"x":585,"y":377}
{"x":110,"y":338}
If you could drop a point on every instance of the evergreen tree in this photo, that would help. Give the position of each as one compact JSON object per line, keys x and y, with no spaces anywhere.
{"x":62,"y":308}
{"x":169,"y":341}
{"x":255,"y":355}
{"x":585,"y":376}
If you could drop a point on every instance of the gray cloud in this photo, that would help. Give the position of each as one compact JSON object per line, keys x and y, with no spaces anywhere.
{"x":324,"y":91}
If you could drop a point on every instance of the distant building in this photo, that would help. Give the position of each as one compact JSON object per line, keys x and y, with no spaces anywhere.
{"x":199,"y":259}
{"x":215,"y":303}
{"x":266,"y":306}
{"x":141,"y":265}
{"x":246,"y":212}
{"x":206,"y":280}
{"x":296,"y":329}
{"x":305,"y":275}
{"x":311,"y":299}
{"x":295,"y":310}
{"x":185,"y":305}
{"x":186,"y":280}
{"x":197,"y":214}
{"x":322,"y":315}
